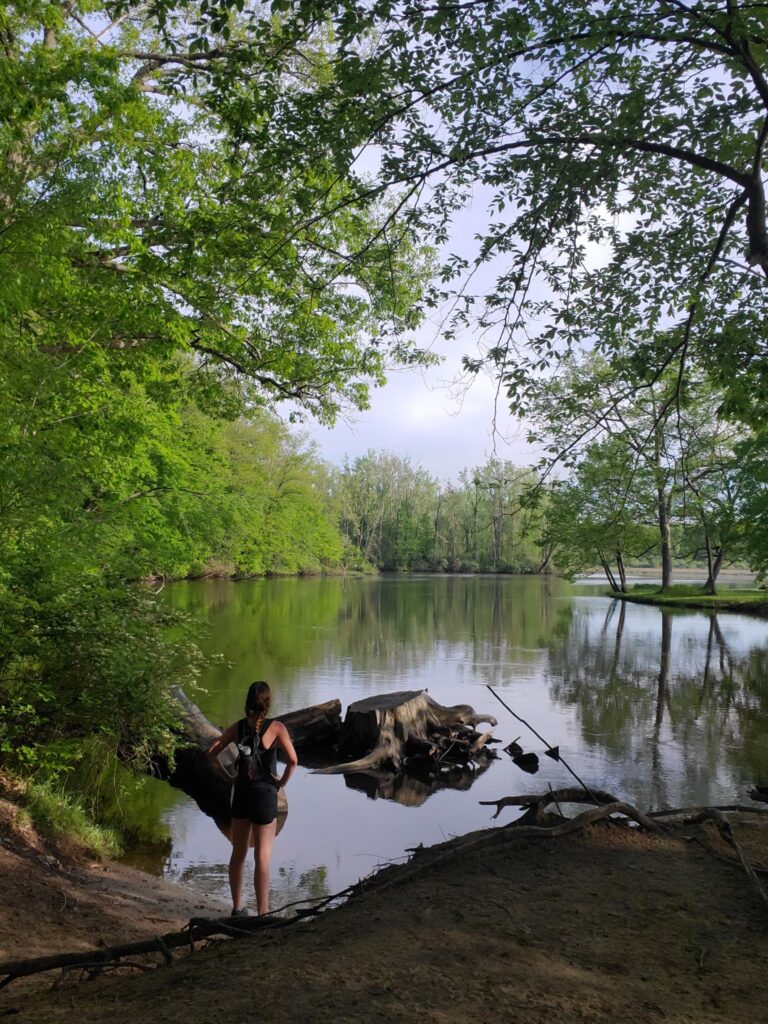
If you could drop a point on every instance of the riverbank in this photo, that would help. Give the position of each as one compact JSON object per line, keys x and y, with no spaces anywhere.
{"x":752,"y":602}
{"x":610,"y":924}
{"x":55,"y":899}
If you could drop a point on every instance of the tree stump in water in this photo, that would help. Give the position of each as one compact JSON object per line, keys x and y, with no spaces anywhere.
{"x":393,"y":728}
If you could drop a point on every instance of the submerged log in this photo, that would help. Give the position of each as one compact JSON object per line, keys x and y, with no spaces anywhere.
{"x":393,"y":728}
{"x":318,"y":725}
{"x":308,"y":728}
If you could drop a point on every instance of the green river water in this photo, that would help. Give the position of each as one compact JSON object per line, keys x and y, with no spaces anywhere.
{"x":663,"y":708}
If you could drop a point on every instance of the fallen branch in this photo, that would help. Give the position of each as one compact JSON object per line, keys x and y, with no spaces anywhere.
{"x":198,"y":928}
{"x":715,"y":815}
{"x":563,"y":796}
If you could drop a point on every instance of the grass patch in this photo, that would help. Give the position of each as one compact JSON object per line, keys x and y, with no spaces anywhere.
{"x":691,"y":596}
{"x":61,"y":818}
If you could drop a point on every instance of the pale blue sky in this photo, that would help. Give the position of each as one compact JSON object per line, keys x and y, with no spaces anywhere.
{"x":419,"y":414}
{"x":426,"y":415}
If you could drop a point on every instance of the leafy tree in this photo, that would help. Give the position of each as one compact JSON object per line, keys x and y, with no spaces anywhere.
{"x":619,"y":149}
{"x":752,"y":489}
{"x":398,"y":516}
{"x":135,"y":218}
{"x":278,"y":490}
{"x":386,"y":509}
{"x":501,"y":528}
{"x":712,"y":511}
{"x":600,"y":515}
{"x":591,"y":399}
{"x":148,"y":292}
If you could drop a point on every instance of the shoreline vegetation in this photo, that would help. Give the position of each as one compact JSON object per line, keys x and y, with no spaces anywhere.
{"x":695,"y":572}
{"x":750,"y":602}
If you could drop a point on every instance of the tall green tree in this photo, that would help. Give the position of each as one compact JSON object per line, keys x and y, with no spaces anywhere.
{"x":386,"y":508}
{"x":713,"y":513}
{"x":619,"y":149}
{"x":160,"y":272}
{"x":603,"y":515}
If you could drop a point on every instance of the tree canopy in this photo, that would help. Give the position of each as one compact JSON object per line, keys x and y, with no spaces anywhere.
{"x":159,"y":278}
{"x":617,"y":150}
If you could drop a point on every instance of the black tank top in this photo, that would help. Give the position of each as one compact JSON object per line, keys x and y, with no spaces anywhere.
{"x":266,"y":762}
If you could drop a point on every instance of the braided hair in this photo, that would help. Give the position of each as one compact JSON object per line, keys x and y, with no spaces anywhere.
{"x":257,"y":702}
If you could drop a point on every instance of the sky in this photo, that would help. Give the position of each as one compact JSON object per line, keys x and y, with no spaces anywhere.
{"x":425,"y":416}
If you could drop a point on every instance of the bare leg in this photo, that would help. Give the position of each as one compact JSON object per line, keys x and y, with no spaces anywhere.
{"x":240,"y":834}
{"x":264,"y":836}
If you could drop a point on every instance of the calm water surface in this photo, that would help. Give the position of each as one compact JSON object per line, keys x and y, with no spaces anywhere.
{"x":659,"y":707}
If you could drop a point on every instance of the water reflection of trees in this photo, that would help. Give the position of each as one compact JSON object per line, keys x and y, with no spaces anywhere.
{"x":678,"y":705}
{"x":384,"y":629}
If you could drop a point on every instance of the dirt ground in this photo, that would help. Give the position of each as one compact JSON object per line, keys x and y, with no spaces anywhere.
{"x":52,"y":901}
{"x":611,"y":925}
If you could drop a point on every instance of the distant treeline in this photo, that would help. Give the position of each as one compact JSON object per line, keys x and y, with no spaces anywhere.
{"x":275,"y":508}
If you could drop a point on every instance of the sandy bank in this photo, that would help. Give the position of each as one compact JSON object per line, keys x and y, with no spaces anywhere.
{"x":610,"y":925}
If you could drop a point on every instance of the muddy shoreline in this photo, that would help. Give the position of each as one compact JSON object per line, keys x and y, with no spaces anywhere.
{"x":611,"y":924}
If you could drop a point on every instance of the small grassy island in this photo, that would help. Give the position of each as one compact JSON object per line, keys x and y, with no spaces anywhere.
{"x":750,"y":600}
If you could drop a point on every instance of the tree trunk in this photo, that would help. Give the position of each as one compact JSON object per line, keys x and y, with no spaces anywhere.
{"x":318,"y":725}
{"x":663,"y":507}
{"x":714,"y":565}
{"x":666,"y":539}
{"x":387,"y":727}
{"x":609,"y":575}
{"x":622,"y":572}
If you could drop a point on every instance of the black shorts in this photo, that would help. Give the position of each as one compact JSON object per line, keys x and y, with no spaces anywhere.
{"x":256,"y":801}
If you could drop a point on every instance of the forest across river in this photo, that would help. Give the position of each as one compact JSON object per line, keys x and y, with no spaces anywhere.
{"x":661,"y":707}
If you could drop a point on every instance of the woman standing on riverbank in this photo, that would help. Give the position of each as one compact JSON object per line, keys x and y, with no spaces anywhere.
{"x":254,"y":800}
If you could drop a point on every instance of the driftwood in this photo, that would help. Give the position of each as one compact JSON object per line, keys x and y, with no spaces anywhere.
{"x":308,"y":728}
{"x":95,"y":959}
{"x":395,"y":728}
{"x":557,"y":796}
{"x":318,"y":725}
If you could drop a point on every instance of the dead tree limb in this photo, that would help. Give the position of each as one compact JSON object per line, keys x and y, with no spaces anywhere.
{"x":198,"y":928}
{"x":724,"y":828}
{"x":571,"y":795}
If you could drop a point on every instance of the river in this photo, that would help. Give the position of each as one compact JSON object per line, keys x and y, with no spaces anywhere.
{"x":663,"y":708}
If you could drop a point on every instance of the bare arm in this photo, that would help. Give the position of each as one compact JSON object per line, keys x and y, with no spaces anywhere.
{"x":212,"y":753}
{"x":283,"y":740}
